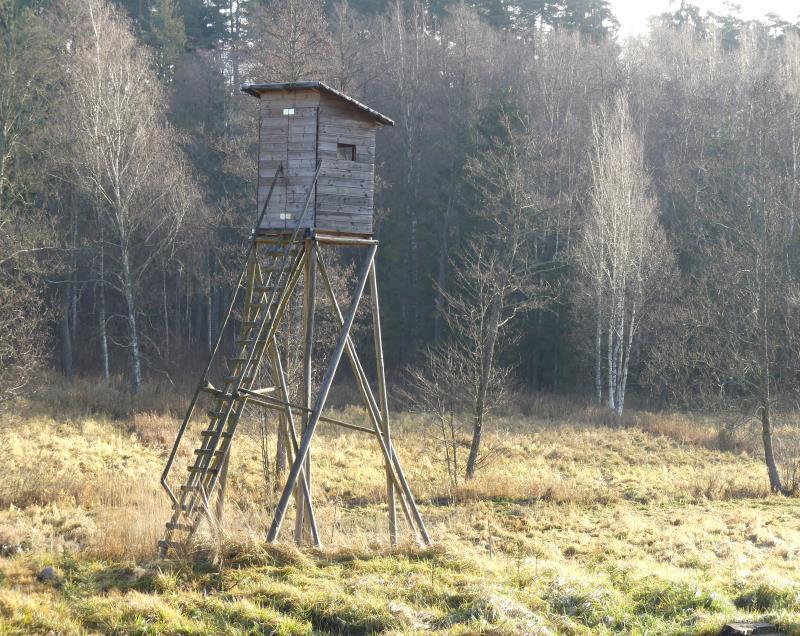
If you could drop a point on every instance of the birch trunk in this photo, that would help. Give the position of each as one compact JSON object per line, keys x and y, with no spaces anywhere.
{"x":133,"y":335}
{"x":610,"y":358}
{"x":166,"y":310}
{"x":101,"y":314}
{"x":626,"y":362}
{"x":598,"y":356}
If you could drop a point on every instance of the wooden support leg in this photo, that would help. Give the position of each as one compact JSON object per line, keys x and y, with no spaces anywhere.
{"x":322,"y":397}
{"x":408,"y":503}
{"x":382,"y":396}
{"x":291,"y":435}
{"x":366,"y":393}
{"x":301,"y":529}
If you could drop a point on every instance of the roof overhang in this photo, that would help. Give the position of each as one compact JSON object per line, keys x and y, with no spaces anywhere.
{"x":258,"y":89}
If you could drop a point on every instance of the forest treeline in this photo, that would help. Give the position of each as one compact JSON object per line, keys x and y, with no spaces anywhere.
{"x":557,"y":209}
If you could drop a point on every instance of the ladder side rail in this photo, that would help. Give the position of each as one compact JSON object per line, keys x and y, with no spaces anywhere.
{"x":283,"y":269}
{"x":236,"y":394}
{"x":260,"y":217}
{"x":212,"y":354}
{"x":252,"y":349}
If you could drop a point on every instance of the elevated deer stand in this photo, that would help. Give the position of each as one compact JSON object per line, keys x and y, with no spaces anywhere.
{"x":318,"y":147}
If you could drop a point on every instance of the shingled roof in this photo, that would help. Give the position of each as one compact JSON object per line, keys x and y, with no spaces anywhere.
{"x":257,"y":89}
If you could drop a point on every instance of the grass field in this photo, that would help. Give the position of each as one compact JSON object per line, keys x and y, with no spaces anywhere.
{"x":575,"y":528}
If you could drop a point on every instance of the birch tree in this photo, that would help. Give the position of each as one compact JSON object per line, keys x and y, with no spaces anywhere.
{"x":123,"y":154}
{"x":622,"y":254}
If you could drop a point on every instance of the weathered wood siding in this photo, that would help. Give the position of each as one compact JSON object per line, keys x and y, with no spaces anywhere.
{"x":345,"y":188}
{"x":291,"y":140}
{"x":343,"y":197}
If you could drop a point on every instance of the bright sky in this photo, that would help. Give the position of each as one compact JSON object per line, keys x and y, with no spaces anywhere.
{"x":633,"y":14}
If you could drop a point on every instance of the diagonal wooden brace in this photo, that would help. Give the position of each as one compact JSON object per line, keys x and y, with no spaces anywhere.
{"x":408,"y":504}
{"x":322,"y":396}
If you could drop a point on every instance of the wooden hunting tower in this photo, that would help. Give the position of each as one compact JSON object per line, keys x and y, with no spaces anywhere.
{"x":316,"y":168}
{"x":302,"y":123}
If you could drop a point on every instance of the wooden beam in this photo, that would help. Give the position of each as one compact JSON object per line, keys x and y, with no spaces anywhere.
{"x":322,"y":397}
{"x":409,"y":505}
{"x":309,"y":306}
{"x":384,"y":402}
{"x":366,"y":394}
{"x":291,"y":433}
{"x":280,"y":405}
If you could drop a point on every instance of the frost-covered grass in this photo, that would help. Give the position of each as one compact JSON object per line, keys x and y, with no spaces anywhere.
{"x":575,"y":527}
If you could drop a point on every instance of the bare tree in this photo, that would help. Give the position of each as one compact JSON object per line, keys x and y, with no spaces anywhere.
{"x":494,"y":279}
{"x":295,"y":43}
{"x":622,"y":256}
{"x":487,"y":293}
{"x":25,"y":76}
{"x":123,"y":153}
{"x":737,"y":344}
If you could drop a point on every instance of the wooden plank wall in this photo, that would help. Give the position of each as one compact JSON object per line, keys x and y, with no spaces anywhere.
{"x":291,"y":140}
{"x":345,"y":188}
{"x":343,"y":201}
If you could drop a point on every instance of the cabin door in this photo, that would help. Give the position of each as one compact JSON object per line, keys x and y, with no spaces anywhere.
{"x":301,"y":161}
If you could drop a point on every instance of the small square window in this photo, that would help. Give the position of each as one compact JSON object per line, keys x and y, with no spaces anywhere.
{"x":347,"y":152}
{"x":288,"y":111}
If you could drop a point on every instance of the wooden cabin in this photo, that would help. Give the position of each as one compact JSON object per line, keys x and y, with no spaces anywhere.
{"x":301,"y":123}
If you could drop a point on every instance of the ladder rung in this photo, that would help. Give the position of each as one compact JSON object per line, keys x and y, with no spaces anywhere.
{"x":293,"y":250}
{"x":234,"y":378}
{"x":205,"y":451}
{"x":212,"y":433}
{"x":237,"y":360}
{"x":244,"y":341}
{"x":267,"y":289}
{"x":200,"y":469}
{"x":166,"y":545}
{"x":216,"y":392}
{"x":179,"y":526}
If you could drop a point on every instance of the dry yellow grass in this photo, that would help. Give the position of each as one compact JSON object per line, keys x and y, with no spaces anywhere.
{"x":574,"y":528}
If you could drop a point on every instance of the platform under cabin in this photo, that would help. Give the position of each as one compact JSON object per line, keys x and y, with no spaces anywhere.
{"x":301,"y":124}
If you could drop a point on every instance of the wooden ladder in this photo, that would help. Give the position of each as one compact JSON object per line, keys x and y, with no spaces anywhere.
{"x":266,"y":295}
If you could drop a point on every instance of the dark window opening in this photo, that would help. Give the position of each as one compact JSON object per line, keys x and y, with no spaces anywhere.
{"x":347,"y":152}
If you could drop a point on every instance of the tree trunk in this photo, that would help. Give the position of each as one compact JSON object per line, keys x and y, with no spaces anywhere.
{"x":133,"y":335}
{"x":610,"y":354}
{"x":66,"y":335}
{"x":166,"y":309}
{"x":101,"y":315}
{"x":626,"y":358}
{"x":598,"y":357}
{"x":74,"y":286}
{"x":210,"y":306}
{"x":769,"y":456}
{"x":766,"y":422}
{"x":483,"y":387}
{"x":444,"y":257}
